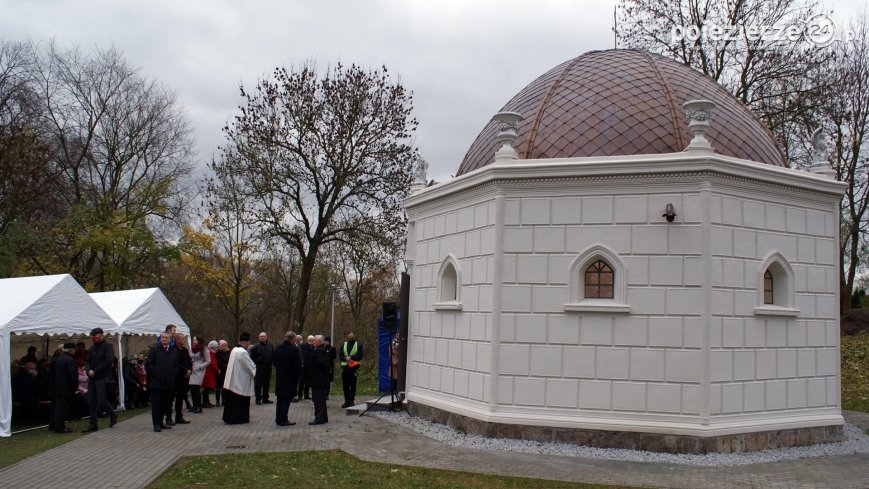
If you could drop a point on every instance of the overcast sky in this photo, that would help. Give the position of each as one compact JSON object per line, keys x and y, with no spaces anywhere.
{"x":463,"y":60}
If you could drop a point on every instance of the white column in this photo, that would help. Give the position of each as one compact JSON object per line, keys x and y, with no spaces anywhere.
{"x":409,"y":255}
{"x":497,"y":279}
{"x":706,"y":317}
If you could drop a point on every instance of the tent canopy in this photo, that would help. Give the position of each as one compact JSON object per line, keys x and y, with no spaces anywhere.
{"x":140,"y":311}
{"x":50,"y":304}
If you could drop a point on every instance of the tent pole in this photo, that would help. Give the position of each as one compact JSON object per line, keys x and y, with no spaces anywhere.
{"x":121,"y":405}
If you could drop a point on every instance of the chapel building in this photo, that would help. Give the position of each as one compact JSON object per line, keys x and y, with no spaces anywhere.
{"x":625,"y":259}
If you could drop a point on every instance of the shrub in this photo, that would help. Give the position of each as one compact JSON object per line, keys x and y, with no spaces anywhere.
{"x":855,"y":372}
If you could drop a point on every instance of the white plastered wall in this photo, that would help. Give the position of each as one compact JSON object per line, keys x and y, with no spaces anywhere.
{"x":644,"y":364}
{"x":679,"y":360}
{"x":451,"y":348}
{"x":764,"y":365}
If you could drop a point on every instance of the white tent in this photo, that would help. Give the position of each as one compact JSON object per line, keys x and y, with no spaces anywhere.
{"x":138,"y":312}
{"x":49,"y":304}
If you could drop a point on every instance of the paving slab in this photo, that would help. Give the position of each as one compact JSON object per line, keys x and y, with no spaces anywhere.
{"x":131,"y":455}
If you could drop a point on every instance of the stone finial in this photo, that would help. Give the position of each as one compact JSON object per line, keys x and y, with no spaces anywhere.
{"x":508,"y":123}
{"x":420,"y":172}
{"x":698,"y":112}
{"x":820,"y":150}
{"x":820,"y":146}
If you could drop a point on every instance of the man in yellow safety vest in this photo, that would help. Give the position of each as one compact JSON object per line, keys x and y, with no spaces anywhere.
{"x":350,"y":354}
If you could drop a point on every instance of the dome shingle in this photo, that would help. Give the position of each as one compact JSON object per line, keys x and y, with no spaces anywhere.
{"x":622,"y":102}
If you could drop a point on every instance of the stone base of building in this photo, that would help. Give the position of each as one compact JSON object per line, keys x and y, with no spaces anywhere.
{"x":652,"y":442}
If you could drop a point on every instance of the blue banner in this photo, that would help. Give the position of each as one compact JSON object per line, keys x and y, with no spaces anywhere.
{"x":384,"y":358}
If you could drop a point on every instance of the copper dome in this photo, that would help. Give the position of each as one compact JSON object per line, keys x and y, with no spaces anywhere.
{"x":622,"y":102}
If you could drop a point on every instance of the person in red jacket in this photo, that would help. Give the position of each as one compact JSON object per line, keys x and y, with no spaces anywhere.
{"x":209,"y":382}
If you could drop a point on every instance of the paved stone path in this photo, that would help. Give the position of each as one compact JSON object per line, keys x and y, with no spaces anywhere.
{"x":131,"y":455}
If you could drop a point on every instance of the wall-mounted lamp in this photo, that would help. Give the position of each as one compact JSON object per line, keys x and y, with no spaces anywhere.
{"x":669,"y":213}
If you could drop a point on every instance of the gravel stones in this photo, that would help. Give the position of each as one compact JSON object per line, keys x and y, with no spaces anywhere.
{"x":855,"y":442}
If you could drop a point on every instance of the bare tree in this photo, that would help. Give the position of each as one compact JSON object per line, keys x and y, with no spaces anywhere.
{"x":193,"y":301}
{"x":845,"y":116}
{"x":122,"y":145}
{"x":29,"y":189}
{"x":280,"y":277}
{"x":792,"y":84}
{"x":227,"y":258}
{"x":16,"y":94}
{"x":324,"y":154}
{"x":365,"y":269}
{"x":23,"y":155}
{"x":756,"y":49}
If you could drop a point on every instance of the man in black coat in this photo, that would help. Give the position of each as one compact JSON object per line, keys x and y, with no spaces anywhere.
{"x":306,"y":349}
{"x":25,"y":389}
{"x":31,"y":356}
{"x":288,"y":365}
{"x":101,"y":357}
{"x":131,"y":383}
{"x":65,"y":385}
{"x":333,"y":355}
{"x":182,"y":380}
{"x":261,"y":354}
{"x":319,"y":380}
{"x":162,"y":368}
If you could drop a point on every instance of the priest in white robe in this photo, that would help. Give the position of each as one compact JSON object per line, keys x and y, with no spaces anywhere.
{"x":238,"y":384}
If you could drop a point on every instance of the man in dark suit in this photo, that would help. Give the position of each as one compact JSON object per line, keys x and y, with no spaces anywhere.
{"x":65,"y":385}
{"x":182,"y":380}
{"x":319,"y":380}
{"x":261,"y":354}
{"x":101,"y":357}
{"x":306,"y":349}
{"x":288,"y":365}
{"x":162,"y":366}
{"x":333,"y":355}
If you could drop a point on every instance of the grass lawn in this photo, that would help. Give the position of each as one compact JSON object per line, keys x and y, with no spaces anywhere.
{"x":22,"y":445}
{"x":366,"y":384}
{"x":329,"y":470}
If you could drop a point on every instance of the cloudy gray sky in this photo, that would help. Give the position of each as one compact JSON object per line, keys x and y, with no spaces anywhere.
{"x":462,"y":59}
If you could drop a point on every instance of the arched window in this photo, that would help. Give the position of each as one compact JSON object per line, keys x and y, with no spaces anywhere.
{"x":449,"y":283}
{"x":597,"y":282}
{"x":768,"y":287}
{"x":775,"y":287}
{"x":449,"y":293}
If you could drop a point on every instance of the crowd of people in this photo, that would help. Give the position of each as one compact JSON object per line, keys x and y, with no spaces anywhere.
{"x":171,"y":376}
{"x":37,"y":388}
{"x":304,"y":369}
